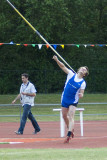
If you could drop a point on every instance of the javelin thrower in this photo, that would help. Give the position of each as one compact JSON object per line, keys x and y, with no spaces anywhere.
{"x":73,"y":90}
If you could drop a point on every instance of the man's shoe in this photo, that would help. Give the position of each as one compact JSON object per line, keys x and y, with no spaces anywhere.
{"x":67,"y":139}
{"x":72,"y":134}
{"x":35,"y":132}
{"x":18,"y":133}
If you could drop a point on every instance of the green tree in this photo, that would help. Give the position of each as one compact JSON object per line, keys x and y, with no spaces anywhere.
{"x":59,"y":21}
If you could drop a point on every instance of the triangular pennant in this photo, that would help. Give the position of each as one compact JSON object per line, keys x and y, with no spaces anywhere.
{"x":25,"y":45}
{"x":85,"y":45}
{"x":1,"y":44}
{"x":78,"y":45}
{"x":101,"y":45}
{"x":55,"y":46}
{"x":47,"y":45}
{"x":62,"y":46}
{"x":40,"y":46}
{"x":11,"y":42}
{"x":33,"y":45}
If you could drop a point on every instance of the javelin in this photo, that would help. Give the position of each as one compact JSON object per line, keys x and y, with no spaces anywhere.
{"x":39,"y":34}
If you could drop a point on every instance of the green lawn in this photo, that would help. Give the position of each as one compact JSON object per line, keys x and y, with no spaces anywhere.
{"x":45,"y":113}
{"x":54,"y":154}
{"x":55,"y":98}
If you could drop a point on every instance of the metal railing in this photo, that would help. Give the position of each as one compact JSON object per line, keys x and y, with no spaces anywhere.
{"x":35,"y":105}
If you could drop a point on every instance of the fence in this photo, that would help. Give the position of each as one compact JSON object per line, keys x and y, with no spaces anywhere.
{"x":44,"y":112}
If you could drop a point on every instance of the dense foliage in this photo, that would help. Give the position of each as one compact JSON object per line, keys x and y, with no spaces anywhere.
{"x":59,"y":21}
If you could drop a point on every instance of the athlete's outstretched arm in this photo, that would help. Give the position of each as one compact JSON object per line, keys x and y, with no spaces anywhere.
{"x":61,"y":65}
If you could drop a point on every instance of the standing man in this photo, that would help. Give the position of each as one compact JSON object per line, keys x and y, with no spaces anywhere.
{"x":73,"y":90}
{"x":27,"y":95}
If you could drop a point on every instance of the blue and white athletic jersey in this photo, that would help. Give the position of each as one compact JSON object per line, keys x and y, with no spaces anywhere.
{"x":73,"y":84}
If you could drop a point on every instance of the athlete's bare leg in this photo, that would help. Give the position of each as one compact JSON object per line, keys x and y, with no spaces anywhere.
{"x":65,"y":116}
{"x":71,"y":114}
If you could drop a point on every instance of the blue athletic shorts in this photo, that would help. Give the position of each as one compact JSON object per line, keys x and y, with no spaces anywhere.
{"x":66,"y":105}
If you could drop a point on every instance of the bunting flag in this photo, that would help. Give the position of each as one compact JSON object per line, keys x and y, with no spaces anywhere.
{"x":78,"y":45}
{"x":62,"y":46}
{"x":85,"y":45}
{"x":47,"y":45}
{"x":11,"y":42}
{"x":1,"y":44}
{"x":33,"y":45}
{"x":40,"y":46}
{"x":54,"y":45}
{"x":25,"y":45}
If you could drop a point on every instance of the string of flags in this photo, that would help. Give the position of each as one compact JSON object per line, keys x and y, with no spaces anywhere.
{"x":54,"y":45}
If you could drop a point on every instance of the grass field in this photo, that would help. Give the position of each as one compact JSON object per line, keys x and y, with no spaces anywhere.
{"x":54,"y":154}
{"x":55,"y":98}
{"x":45,"y":113}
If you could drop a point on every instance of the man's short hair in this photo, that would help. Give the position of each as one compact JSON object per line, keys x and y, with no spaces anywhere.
{"x":87,"y":71}
{"x":25,"y":75}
